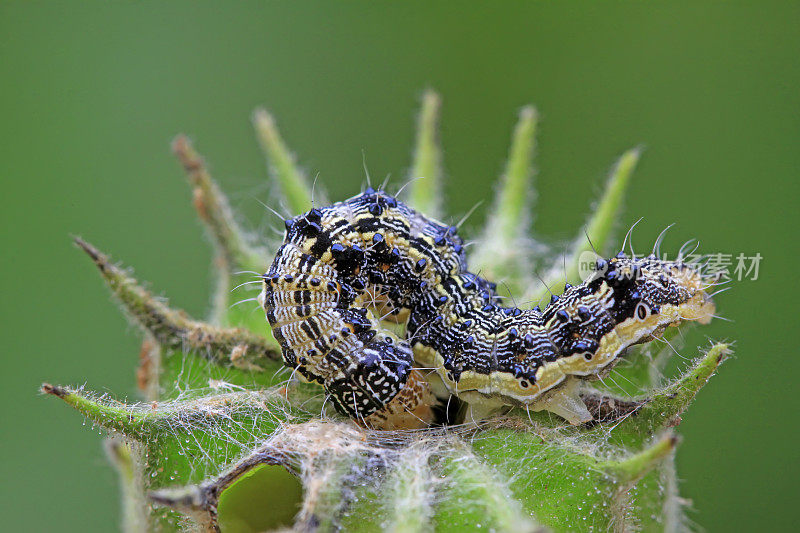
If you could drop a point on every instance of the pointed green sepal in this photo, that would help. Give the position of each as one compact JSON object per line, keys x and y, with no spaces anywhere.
{"x":631,"y":469}
{"x":291,"y":181}
{"x":174,"y":328}
{"x":606,"y":213}
{"x":510,"y":218}
{"x":190,"y":438}
{"x":230,"y":241}
{"x":503,"y":250}
{"x":425,"y":191}
{"x":121,"y":418}
{"x":664,"y":408}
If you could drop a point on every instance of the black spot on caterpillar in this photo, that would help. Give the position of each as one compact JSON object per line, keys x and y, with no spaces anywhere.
{"x":345,"y":268}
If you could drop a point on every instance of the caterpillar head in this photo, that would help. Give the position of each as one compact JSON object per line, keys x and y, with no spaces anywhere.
{"x":655,"y":291}
{"x":626,"y":301}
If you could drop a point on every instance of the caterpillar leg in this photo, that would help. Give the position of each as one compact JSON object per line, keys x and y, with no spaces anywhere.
{"x":563,"y":401}
{"x":566,"y":403}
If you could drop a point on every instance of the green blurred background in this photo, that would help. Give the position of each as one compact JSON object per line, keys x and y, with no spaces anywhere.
{"x":92,"y":93}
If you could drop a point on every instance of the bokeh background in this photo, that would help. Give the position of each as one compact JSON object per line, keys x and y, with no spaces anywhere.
{"x":92,"y":93}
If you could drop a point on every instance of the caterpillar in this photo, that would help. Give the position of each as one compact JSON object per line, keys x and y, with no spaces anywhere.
{"x":346,"y":270}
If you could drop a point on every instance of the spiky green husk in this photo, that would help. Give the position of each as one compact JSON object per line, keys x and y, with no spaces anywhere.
{"x":225,"y":441}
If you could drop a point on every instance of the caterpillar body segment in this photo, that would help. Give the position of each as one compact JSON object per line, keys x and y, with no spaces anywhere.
{"x":346,"y":268}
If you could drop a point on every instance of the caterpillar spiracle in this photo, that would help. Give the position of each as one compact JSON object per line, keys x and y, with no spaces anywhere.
{"x":344,"y":269}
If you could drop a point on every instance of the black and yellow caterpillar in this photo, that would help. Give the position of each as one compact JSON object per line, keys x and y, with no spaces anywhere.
{"x":344,"y":269}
